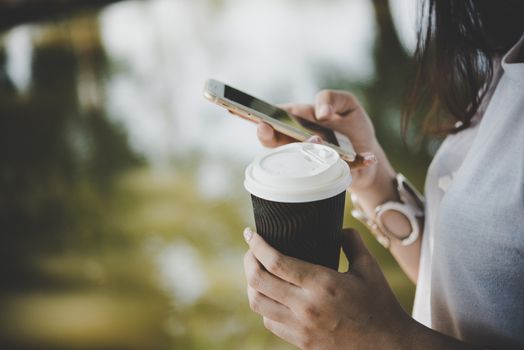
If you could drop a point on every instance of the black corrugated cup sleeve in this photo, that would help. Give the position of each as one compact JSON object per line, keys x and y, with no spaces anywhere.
{"x":308,"y":231}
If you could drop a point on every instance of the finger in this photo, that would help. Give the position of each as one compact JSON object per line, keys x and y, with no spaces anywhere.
{"x":301,"y":112}
{"x":266,"y":135}
{"x":271,"y":138}
{"x":287,"y":268}
{"x":286,"y":106}
{"x":304,"y":114}
{"x":355,"y":250}
{"x":304,"y":111}
{"x":330,"y":103}
{"x":271,"y":286}
{"x":363,"y":160}
{"x":315,"y":139}
{"x":267,"y":307}
{"x":282,"y":331}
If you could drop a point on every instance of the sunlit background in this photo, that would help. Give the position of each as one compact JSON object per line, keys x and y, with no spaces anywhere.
{"x":121,"y":198}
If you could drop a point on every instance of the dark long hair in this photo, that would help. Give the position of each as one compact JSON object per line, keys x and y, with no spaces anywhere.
{"x":458,"y":41}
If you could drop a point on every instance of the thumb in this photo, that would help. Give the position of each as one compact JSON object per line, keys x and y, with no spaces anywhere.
{"x":330,"y":102}
{"x":355,"y":249}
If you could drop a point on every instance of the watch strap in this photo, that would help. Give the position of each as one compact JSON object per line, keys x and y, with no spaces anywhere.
{"x":411,"y":206}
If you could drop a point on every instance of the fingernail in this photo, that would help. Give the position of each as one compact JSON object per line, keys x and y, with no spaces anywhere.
{"x":314,"y":139}
{"x":248,"y":234}
{"x":369,"y":158}
{"x":323,"y":111}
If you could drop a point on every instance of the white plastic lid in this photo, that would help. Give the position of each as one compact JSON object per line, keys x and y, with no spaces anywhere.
{"x":297,"y":172}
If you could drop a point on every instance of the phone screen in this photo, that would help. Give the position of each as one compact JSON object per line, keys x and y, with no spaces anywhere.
{"x":277,"y":113}
{"x":256,"y":104}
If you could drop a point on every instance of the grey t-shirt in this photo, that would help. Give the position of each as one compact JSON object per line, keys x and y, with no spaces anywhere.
{"x":471,"y":277}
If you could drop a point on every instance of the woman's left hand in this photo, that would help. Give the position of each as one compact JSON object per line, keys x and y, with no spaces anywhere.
{"x":314,"y":307}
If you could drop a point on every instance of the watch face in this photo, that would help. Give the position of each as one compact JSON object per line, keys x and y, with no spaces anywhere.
{"x":396,"y":224}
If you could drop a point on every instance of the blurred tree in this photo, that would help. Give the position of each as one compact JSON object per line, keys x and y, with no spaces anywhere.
{"x":13,"y":12}
{"x":61,"y":158}
{"x":49,"y":145}
{"x":74,"y":211}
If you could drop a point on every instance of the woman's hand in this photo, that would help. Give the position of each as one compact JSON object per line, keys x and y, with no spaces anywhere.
{"x":314,"y":307}
{"x":336,"y":110}
{"x":372,"y":183}
{"x":339,"y":111}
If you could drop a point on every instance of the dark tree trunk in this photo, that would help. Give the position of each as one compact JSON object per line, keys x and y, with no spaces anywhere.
{"x":13,"y":12}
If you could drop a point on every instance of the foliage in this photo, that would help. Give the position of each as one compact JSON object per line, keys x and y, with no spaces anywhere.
{"x":100,"y":249}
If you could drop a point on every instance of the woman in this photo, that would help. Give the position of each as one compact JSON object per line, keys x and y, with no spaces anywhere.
{"x":468,"y":263}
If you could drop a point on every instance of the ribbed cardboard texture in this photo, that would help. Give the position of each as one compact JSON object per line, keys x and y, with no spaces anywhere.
{"x":308,"y":231}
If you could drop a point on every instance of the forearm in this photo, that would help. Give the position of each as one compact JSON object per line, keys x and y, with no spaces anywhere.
{"x":382,"y":190}
{"x":422,"y":337}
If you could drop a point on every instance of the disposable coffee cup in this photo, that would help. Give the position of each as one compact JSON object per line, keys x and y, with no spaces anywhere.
{"x":298,"y":193}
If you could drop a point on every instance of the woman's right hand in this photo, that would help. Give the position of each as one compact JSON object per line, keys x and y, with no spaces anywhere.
{"x":339,"y":111}
{"x":374,"y":183}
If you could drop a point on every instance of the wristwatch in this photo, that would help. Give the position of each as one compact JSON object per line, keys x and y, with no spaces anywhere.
{"x":411,"y":205}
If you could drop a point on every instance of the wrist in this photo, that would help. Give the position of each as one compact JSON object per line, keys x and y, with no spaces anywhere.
{"x":418,"y":336}
{"x":394,"y":221}
{"x":380,"y":185}
{"x":410,"y":335}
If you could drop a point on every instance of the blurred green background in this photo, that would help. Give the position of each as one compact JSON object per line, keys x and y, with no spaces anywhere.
{"x":121,"y":198}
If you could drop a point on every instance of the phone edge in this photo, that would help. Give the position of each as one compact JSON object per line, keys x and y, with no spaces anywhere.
{"x":255,"y":116}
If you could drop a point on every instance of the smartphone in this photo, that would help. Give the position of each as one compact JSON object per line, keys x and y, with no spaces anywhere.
{"x":256,"y":110}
